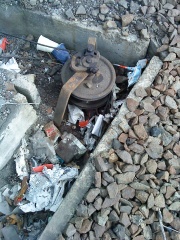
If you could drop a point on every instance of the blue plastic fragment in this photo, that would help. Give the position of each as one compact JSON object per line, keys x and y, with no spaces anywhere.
{"x":61,"y":54}
{"x":135,"y":73}
{"x":60,"y":159}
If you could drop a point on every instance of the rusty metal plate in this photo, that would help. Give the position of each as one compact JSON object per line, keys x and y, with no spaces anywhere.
{"x":100,"y":87}
{"x":65,"y":93}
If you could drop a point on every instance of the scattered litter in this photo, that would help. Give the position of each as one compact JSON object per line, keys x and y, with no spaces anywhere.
{"x":58,"y":50}
{"x":15,"y":219}
{"x":98,"y":126}
{"x":61,"y":54}
{"x":20,"y":159}
{"x":11,"y":65}
{"x":3,"y":43}
{"x":83,"y":124}
{"x":52,"y":131}
{"x":135,"y":72}
{"x":75,"y":114}
{"x":40,"y":168}
{"x":24,"y":186}
{"x":70,"y":148}
{"x":43,"y":147}
{"x":46,"y":189}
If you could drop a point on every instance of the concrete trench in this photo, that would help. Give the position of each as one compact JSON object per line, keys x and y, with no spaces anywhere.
{"x":111,"y":45}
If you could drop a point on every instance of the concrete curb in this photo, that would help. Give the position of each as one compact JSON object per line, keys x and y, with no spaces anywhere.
{"x":111,"y":44}
{"x":85,"y":179}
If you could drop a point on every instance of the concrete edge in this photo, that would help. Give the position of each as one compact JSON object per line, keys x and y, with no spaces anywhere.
{"x":110,"y":43}
{"x":68,"y":206}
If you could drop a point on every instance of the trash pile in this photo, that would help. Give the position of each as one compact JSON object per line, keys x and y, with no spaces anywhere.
{"x":48,"y":161}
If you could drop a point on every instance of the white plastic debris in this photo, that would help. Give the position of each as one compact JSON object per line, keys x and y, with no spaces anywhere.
{"x":98,"y":126}
{"x":20,"y":156}
{"x":75,"y":114}
{"x":11,"y":65}
{"x":46,"y":189}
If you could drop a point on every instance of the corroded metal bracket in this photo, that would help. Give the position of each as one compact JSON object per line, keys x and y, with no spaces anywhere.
{"x":84,"y":64}
{"x":65,"y":94}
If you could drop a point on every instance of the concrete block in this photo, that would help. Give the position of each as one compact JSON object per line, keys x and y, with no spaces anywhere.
{"x":24,"y":84}
{"x":9,"y":233}
{"x":20,"y":119}
{"x":70,"y":148}
{"x":5,"y":208}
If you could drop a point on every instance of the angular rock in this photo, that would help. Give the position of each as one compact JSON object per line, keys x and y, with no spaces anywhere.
{"x":144,"y":210}
{"x":119,"y":231}
{"x":104,"y":9}
{"x":92,"y":194}
{"x":139,"y":186}
{"x":167,"y":216}
{"x":170,"y":57}
{"x":113,"y":190}
{"x":127,"y":19}
{"x":110,"y":25}
{"x":142,"y":196}
{"x":82,"y":211}
{"x":99,"y":230}
{"x":175,"y":206}
{"x":86,"y":226}
{"x":124,"y":156}
{"x":113,"y":158}
{"x":147,"y":232}
{"x":169,"y":102}
{"x":107,"y":177}
{"x":154,"y":150}
{"x":159,"y":201}
{"x":151,"y":166}
{"x":98,"y":203}
{"x":125,"y":178}
{"x":101,"y":165}
{"x":128,"y":193}
{"x":136,"y":148}
{"x":70,"y":230}
{"x":97,"y":179}
{"x":124,"y":219}
{"x":140,"y":131}
{"x":125,"y":209}
{"x":144,"y":34}
{"x":108,"y":202}
{"x":176,"y":149}
{"x":81,"y":10}
{"x":131,"y":104}
{"x":130,"y":168}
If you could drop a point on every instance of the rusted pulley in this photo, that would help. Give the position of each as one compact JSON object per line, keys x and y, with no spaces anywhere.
{"x":88,"y":79}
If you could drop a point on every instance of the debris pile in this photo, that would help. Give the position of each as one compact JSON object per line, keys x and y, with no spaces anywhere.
{"x":136,"y":188}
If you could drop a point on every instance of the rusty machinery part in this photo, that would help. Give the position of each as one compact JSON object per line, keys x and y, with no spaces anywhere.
{"x":89,"y":77}
{"x":93,"y":91}
{"x":64,"y":95}
{"x":87,"y":60}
